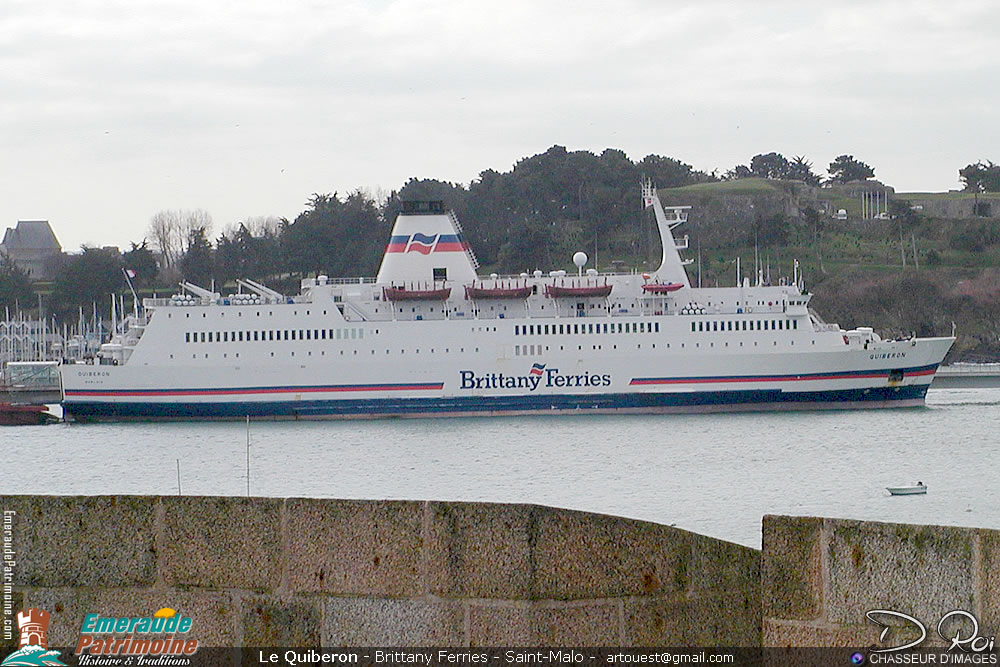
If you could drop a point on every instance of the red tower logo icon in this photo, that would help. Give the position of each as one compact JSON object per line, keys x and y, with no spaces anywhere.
{"x":33,"y":624}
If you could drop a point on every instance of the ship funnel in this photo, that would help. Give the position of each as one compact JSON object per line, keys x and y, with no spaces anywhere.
{"x":426,"y":245}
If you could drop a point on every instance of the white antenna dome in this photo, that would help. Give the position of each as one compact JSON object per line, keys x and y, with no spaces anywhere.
{"x":580,"y":258}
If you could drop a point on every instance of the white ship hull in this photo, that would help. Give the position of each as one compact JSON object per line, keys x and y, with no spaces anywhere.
{"x":413,"y":344}
{"x":485,"y":373}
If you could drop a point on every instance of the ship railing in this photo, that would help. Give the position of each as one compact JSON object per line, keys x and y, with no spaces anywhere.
{"x":468,"y":249}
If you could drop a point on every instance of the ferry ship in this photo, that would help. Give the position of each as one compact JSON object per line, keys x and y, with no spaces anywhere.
{"x":429,"y":337}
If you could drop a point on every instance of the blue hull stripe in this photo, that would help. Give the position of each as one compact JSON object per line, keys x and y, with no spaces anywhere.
{"x":437,"y":386}
{"x":634,"y":402}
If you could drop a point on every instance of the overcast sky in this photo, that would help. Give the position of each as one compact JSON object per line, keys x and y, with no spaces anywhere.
{"x":112,"y":110}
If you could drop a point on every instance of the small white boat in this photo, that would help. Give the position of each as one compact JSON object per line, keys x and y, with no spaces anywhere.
{"x":916,"y":489}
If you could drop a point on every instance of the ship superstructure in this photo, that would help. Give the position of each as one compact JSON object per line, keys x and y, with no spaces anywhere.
{"x":429,"y":337}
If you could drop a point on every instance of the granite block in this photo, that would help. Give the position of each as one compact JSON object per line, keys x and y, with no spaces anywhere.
{"x":578,"y":555}
{"x":924,"y":571}
{"x":384,"y":622}
{"x":791,"y":567}
{"x":659,"y":621}
{"x":720,"y":565}
{"x":83,"y":541}
{"x":550,"y":624}
{"x":480,"y":550}
{"x":274,"y":622}
{"x":989,"y":583}
{"x":817,"y":634}
{"x":354,"y":547}
{"x":708,"y":619}
{"x":222,"y":542}
{"x":504,"y":624}
{"x":579,"y":624}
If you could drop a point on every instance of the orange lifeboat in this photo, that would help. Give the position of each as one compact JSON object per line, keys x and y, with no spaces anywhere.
{"x":497,"y":292}
{"x":560,"y":291}
{"x":404,"y":294}
{"x":661,"y":288}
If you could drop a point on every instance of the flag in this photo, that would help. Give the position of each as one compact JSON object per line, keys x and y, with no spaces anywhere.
{"x":130,"y":273}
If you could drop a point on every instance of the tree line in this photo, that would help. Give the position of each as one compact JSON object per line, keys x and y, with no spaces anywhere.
{"x":533,"y":216}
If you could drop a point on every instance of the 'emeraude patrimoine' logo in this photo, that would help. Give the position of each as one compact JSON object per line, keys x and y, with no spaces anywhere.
{"x":538,"y":376}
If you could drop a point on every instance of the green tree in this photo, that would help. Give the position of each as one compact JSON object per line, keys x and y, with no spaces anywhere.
{"x":339,"y":238}
{"x":770,"y":231}
{"x":769,"y":165}
{"x":88,"y":278}
{"x":239,"y":253}
{"x":846,"y":169}
{"x":527,"y":248}
{"x":15,"y":285}
{"x":737,"y":172}
{"x":196,"y":264}
{"x":800,"y":169}
{"x":981,"y":177}
{"x":906,"y":220}
{"x":815,"y":222}
{"x":142,"y":261}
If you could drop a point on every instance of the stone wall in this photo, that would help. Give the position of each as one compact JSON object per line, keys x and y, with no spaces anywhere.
{"x":821,"y":577}
{"x":308,"y":572}
{"x":957,"y":207}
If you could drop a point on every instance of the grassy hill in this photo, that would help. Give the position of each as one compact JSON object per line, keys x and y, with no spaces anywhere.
{"x":900,"y":276}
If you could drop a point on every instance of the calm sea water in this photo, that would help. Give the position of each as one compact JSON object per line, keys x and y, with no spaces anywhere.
{"x":712,"y":474}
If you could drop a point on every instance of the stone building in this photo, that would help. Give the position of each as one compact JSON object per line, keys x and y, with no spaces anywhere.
{"x":32,"y":245}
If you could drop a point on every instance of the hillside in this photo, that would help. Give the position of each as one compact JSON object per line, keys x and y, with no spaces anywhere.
{"x":918,"y":272}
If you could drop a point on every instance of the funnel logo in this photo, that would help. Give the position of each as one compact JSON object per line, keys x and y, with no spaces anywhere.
{"x":425,"y":244}
{"x":33,"y":645}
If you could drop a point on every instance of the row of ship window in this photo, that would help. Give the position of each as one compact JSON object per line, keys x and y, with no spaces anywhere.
{"x":651,"y":327}
{"x":352,"y":333}
{"x":605,"y":327}
{"x":746,"y":325}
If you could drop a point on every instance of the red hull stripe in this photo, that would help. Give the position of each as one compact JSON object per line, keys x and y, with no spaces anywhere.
{"x":847,"y":375}
{"x":424,"y":386}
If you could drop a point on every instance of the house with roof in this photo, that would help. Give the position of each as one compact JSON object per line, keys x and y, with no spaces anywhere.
{"x":32,"y":245}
